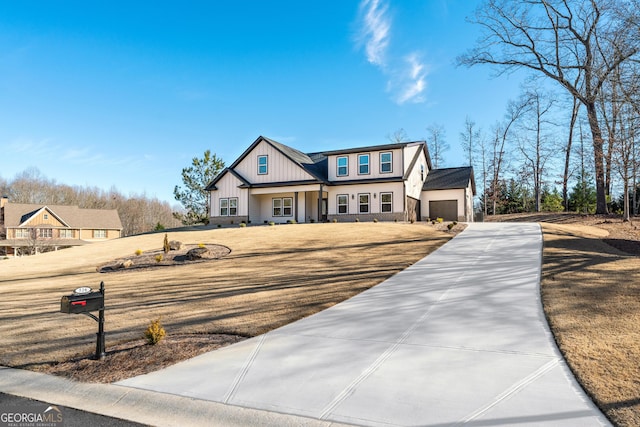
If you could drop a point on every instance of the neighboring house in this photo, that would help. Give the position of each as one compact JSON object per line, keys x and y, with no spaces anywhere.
{"x":30,"y":228}
{"x":273,"y":182}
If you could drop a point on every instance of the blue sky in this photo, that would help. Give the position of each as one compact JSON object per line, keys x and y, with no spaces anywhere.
{"x":125,"y":94}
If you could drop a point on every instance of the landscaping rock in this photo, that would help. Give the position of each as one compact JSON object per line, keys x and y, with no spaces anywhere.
{"x":127,"y":263}
{"x":197,"y":253}
{"x":175,"y":245}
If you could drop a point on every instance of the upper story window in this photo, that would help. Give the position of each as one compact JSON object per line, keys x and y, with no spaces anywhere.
{"x":263,"y":165}
{"x":363,"y":164}
{"x":422,"y":173}
{"x":386,"y":162}
{"x":46,"y":216}
{"x":342,"y":166}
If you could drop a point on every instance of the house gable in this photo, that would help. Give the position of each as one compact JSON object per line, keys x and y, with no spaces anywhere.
{"x":279,"y":163}
{"x":43,"y":216}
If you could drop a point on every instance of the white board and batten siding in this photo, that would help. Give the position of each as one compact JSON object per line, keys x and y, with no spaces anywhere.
{"x":374,"y":165}
{"x":417,"y":175}
{"x":227,"y":188}
{"x":374,"y":203}
{"x":280,"y":167}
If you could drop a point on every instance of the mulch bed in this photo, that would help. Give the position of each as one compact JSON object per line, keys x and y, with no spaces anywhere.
{"x":150,"y":259}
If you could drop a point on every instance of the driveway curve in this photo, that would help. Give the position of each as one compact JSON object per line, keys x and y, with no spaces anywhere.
{"x":459,"y":338}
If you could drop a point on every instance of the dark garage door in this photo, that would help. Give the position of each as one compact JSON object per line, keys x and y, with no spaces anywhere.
{"x":445,"y":209}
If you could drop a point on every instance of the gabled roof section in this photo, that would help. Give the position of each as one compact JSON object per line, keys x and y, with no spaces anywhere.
{"x":212,"y":185}
{"x":15,"y":215}
{"x":450,"y":178}
{"x":24,"y":220}
{"x":424,"y":150}
{"x":310,"y":165}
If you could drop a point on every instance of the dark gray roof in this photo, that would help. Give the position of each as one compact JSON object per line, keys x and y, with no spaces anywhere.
{"x":450,"y":178}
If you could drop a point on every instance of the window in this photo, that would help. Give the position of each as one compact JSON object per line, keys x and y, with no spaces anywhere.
{"x":229,"y":207}
{"x":99,"y":234}
{"x":363,"y":200}
{"x":66,"y":234}
{"x":386,"y":162}
{"x":343,"y":203}
{"x":277,"y":207}
{"x":233,"y":206}
{"x":224,"y":207}
{"x":386,"y":202}
{"x":422,"y":173}
{"x":363,"y":164}
{"x":23,"y":233}
{"x":287,"y":206}
{"x":283,"y":206}
{"x":263,"y":165}
{"x":46,"y":216}
{"x":46,"y":233}
{"x":343,"y":166}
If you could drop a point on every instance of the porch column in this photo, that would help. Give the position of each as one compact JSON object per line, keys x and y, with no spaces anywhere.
{"x":295,"y":206}
{"x":320,"y":204}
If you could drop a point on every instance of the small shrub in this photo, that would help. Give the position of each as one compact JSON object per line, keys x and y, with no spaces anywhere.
{"x":455,"y":222}
{"x":155,"y":332}
{"x":433,"y":221}
{"x":335,"y":220}
{"x":357,"y":219}
{"x":138,"y":252}
{"x":201,"y":245}
{"x":159,"y":227}
{"x":440,"y":220}
{"x":219,"y":225}
{"x":271,"y":223}
{"x":375,"y":220}
{"x":412,"y":220}
{"x":450,"y":226}
{"x":165,"y":244}
{"x":242,"y":225}
{"x":292,"y":221}
{"x":158,"y":258}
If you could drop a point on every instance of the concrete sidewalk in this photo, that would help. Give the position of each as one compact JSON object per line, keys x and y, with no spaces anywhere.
{"x":459,"y":338}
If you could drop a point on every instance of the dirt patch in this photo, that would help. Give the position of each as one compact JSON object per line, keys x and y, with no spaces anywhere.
{"x":158,"y":258}
{"x":136,"y":357}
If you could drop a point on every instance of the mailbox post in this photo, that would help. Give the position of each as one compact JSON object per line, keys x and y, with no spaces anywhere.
{"x":84,"y":301}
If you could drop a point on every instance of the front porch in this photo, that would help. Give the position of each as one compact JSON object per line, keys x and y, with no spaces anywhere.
{"x":298,"y":204}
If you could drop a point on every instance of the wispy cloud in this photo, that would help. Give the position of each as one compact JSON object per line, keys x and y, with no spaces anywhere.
{"x":375,"y":30}
{"x":412,"y":82}
{"x":407,"y":73}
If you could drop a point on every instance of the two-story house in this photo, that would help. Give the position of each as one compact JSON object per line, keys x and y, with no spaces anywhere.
{"x":274,"y":182}
{"x":30,"y":228}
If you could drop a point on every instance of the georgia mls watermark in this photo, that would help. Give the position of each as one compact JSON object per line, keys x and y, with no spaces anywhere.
{"x":32,"y":414}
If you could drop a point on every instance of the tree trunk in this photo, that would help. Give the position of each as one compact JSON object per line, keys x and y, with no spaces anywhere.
{"x":598,"y":155}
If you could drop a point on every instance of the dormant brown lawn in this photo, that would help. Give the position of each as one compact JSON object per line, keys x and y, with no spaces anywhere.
{"x":273,"y":276}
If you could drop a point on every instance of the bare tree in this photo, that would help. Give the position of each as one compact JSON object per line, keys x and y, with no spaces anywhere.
{"x":398,"y":136}
{"x":502,"y":130}
{"x":436,"y":140}
{"x":536,"y":145}
{"x":576,"y":43}
{"x":469,"y":138}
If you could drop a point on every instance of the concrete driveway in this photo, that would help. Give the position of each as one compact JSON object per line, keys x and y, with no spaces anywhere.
{"x":457,"y":338}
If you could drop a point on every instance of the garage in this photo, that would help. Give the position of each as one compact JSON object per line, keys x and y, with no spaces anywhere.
{"x":445,"y":209}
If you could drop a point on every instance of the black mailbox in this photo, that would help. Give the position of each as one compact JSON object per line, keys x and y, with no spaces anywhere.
{"x":82,"y":303}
